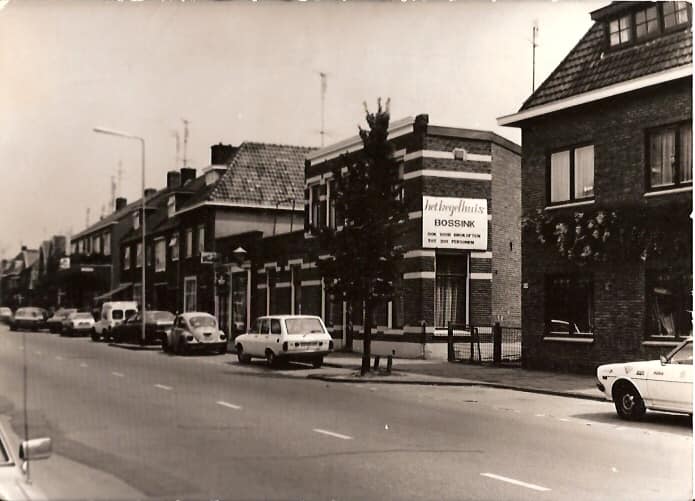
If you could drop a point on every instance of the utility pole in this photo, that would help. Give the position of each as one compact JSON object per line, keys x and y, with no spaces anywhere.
{"x":120,"y":178}
{"x":185,"y":141}
{"x":323,"y":105}
{"x":113,"y":193}
{"x":534,"y":45}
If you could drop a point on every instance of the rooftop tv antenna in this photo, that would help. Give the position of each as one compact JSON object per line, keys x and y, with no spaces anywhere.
{"x":87,"y":218}
{"x":324,"y":85}
{"x":120,"y":178}
{"x":534,"y":44}
{"x":113,"y":192}
{"x":185,"y":141}
{"x":175,"y":133}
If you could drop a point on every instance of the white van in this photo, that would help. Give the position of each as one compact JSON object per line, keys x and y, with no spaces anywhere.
{"x":112,"y":313}
{"x":285,"y":337}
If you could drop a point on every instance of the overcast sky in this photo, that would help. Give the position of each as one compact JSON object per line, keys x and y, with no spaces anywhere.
{"x":238,"y":71}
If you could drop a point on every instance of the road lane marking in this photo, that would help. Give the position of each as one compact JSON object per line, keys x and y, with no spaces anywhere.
{"x":332,"y":434}
{"x":227,"y":404}
{"x":117,"y":374}
{"x":163,"y":387}
{"x":540,"y":415}
{"x":35,"y":352}
{"x":58,"y":357}
{"x":83,"y":364}
{"x":564,"y":420}
{"x":516,"y":482}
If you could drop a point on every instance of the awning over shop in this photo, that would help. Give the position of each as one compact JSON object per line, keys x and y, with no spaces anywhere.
{"x":111,"y":293}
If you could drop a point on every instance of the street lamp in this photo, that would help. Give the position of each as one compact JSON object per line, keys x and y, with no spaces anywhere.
{"x":143,"y":254}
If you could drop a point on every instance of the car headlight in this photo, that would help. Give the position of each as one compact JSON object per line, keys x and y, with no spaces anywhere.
{"x":189,"y":337}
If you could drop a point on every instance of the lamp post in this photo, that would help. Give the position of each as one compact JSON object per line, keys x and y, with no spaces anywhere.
{"x":143,"y":254}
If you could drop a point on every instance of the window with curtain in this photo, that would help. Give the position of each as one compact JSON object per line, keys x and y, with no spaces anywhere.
{"x":189,"y":294}
{"x":107,"y":244}
{"x":450,"y":289}
{"x":569,"y":304}
{"x":174,"y":244}
{"x":620,"y":30}
{"x":675,"y":13}
{"x":201,"y":239}
{"x":189,"y":242}
{"x":669,"y":301}
{"x":160,"y":255}
{"x":571,"y":175}
{"x":646,"y":22}
{"x":670,"y":156}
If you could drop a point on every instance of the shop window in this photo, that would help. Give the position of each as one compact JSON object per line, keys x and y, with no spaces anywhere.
{"x":239,"y":302}
{"x":296,"y":291}
{"x":450,"y":289}
{"x":670,"y":156}
{"x":669,"y":301}
{"x":569,"y":305}
{"x":571,"y":174}
{"x":189,"y":294}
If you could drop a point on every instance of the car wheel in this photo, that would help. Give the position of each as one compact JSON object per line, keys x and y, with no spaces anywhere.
{"x":181,"y":348}
{"x":243,"y":359}
{"x":317,"y":363}
{"x":271,"y":359}
{"x":628,"y":403}
{"x":165,"y":344}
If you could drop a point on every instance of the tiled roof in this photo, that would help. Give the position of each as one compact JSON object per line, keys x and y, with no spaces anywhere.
{"x":259,"y":174}
{"x":591,"y":65}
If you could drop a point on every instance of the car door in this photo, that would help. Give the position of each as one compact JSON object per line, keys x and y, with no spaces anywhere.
{"x":259,"y":337}
{"x":275,"y":335}
{"x":671,"y":384}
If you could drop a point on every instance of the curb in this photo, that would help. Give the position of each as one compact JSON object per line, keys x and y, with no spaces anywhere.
{"x":567,"y":394}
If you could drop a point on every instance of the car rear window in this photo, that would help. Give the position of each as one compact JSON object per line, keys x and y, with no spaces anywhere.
{"x":303,"y":326}
{"x":203,"y":321}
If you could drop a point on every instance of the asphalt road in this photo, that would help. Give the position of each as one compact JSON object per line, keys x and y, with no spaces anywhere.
{"x":203,"y":427}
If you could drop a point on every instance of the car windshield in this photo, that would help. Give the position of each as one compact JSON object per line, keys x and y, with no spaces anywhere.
{"x":682,"y":354}
{"x":159,"y":316}
{"x":303,"y":326}
{"x":202,"y":321}
{"x":28,"y":312}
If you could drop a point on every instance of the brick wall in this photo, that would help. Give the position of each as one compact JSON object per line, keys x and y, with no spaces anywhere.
{"x":617,"y":129}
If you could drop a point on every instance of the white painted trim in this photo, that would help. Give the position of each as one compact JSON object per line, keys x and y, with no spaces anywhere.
{"x":584,"y":340}
{"x":414,"y":275}
{"x":481,"y":276}
{"x":415,"y":214}
{"x":419,"y":253}
{"x":602,"y":93}
{"x":354,"y":143}
{"x":570,"y":204}
{"x":239,"y":205}
{"x":282,"y":285}
{"x":312,"y":180}
{"x":272,"y":264}
{"x":290,"y":262}
{"x":416,"y":329}
{"x":682,"y":189}
{"x":664,"y":343}
{"x":260,"y":271}
{"x":451,"y":174}
{"x":481,"y":255}
{"x":311,"y":283}
{"x":261,"y":286}
{"x":446,"y":155}
{"x":306,"y":266}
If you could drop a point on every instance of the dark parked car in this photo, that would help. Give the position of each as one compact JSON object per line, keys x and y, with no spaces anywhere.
{"x":30,"y":317}
{"x":158,"y":324}
{"x":55,"y":323}
{"x":5,"y":315}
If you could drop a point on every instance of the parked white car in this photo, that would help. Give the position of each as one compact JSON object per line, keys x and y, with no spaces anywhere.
{"x":13,"y":483}
{"x":78,"y":323}
{"x":662,"y":385}
{"x":285,"y":337}
{"x":112,"y":313}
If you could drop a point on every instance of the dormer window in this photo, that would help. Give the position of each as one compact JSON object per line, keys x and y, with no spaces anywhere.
{"x":171,"y":206}
{"x":620,"y":30}
{"x":675,"y":13}
{"x":646,"y":22}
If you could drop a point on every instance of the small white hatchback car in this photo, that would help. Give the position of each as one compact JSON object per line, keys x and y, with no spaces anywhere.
{"x":285,"y":337}
{"x":663,"y":385}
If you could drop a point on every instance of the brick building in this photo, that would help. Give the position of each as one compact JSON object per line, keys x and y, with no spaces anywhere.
{"x":606,"y":192}
{"x":469,"y":286}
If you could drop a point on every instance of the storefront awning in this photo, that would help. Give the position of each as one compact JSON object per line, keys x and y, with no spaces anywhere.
{"x":111,"y":293}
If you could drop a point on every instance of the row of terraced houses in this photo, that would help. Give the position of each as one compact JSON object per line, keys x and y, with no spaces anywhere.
{"x":586,"y":244}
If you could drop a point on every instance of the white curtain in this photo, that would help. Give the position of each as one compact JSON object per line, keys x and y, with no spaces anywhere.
{"x":584,"y":172}
{"x":560,"y":176}
{"x":662,"y":151}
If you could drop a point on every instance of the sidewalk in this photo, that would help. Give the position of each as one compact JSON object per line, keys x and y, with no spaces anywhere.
{"x":443,"y":373}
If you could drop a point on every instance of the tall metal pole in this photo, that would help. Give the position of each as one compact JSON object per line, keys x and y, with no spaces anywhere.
{"x":143,"y":294}
{"x":534,"y":45}
{"x":323,"y":106}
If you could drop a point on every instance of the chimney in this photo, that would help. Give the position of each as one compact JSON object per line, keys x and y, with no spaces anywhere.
{"x":121,"y":203}
{"x":187,"y":175}
{"x":222,"y":154}
{"x":173,"y":179}
{"x":24,"y":247}
{"x":149,"y":192}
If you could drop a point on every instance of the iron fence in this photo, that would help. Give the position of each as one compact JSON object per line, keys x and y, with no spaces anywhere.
{"x":494,"y":344}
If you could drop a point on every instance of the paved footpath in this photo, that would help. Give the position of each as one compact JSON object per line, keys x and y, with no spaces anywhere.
{"x":438,"y":372}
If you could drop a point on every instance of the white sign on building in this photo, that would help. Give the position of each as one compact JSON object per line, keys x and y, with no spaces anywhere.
{"x":454,"y":223}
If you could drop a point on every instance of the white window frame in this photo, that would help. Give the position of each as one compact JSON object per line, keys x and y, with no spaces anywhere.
{"x":571,"y":175}
{"x":136,"y":220}
{"x":171,"y":206}
{"x":186,"y":281}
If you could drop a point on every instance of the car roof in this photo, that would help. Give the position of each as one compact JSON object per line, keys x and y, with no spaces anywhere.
{"x":190,"y":314}
{"x":281,"y":317}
